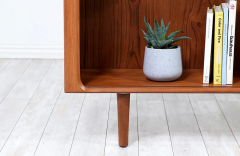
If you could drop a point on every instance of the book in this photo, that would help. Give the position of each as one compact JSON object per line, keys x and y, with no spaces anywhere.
{"x":225,"y":43}
{"x":218,"y":34}
{"x":208,"y":46}
{"x":231,"y":39}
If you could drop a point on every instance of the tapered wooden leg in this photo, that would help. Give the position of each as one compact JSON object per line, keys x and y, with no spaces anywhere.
{"x":123,"y":118}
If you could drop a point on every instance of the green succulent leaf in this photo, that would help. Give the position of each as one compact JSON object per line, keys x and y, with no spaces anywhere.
{"x":162,"y":24}
{"x":154,"y":43}
{"x":176,"y":39}
{"x":147,"y":38}
{"x":173,"y":46}
{"x":167,"y":27}
{"x":158,"y":30}
{"x":153,"y":36}
{"x":158,"y":44}
{"x":164,"y":33}
{"x":145,"y":34}
{"x":173,"y":34}
{"x":179,"y":38}
{"x":148,"y":41}
{"x":164,"y":44}
{"x":150,"y":32}
{"x":150,"y":47}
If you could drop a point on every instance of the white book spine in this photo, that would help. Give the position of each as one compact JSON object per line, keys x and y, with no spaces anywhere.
{"x":231,"y":40}
{"x":208,"y":48}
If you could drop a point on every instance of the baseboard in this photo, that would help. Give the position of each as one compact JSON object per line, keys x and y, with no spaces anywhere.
{"x":32,"y":51}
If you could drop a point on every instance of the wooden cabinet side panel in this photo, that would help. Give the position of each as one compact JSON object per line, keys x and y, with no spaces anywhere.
{"x":72,"y":46}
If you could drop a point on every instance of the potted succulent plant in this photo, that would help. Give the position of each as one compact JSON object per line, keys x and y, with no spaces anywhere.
{"x":162,"y":59}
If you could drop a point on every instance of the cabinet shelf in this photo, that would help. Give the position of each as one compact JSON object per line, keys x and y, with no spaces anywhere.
{"x":133,"y":80}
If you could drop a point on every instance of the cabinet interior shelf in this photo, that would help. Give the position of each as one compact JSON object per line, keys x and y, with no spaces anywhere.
{"x":191,"y":79}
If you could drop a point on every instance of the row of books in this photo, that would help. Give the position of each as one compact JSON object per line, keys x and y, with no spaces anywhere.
{"x":220,"y":28}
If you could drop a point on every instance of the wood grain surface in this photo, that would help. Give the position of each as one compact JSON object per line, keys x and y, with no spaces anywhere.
{"x":71,"y":45}
{"x":111,"y":31}
{"x":123,"y":118}
{"x":136,"y":78}
{"x":134,"y":81}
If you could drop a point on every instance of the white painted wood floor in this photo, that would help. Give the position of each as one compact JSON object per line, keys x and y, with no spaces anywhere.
{"x":38,"y":119}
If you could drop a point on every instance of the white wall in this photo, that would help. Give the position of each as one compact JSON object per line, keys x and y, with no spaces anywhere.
{"x":31,"y":29}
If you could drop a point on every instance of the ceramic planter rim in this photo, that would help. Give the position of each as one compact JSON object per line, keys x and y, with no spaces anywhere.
{"x":163,"y":49}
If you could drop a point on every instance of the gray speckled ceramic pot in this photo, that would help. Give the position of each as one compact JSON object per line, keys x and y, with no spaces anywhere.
{"x":162,"y":64}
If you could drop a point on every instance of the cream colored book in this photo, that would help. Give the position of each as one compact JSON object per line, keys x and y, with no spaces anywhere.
{"x":208,"y":46}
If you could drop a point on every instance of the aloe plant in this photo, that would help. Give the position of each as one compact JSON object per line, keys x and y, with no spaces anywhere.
{"x":159,"y":40}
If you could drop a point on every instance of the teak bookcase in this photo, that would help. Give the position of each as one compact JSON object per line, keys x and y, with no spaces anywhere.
{"x":104,"y":49}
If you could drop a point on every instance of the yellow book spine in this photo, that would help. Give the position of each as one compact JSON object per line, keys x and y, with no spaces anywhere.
{"x":218,"y":43}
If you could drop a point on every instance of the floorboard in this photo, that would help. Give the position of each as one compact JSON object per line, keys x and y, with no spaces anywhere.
{"x":231,"y":111}
{"x":149,"y":97}
{"x":215,"y":130}
{"x":52,"y":83}
{"x":25,"y":137}
{"x":58,"y":135}
{"x":90,"y":136}
{"x":202,"y":97}
{"x":71,"y":96}
{"x":29,"y":81}
{"x":175,"y":97}
{"x":112,"y":148}
{"x":154,"y":138}
{"x":4,"y":63}
{"x":10,"y":75}
{"x":10,"y":112}
{"x":185,"y":134}
{"x":227,"y":97}
{"x":98,"y":96}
